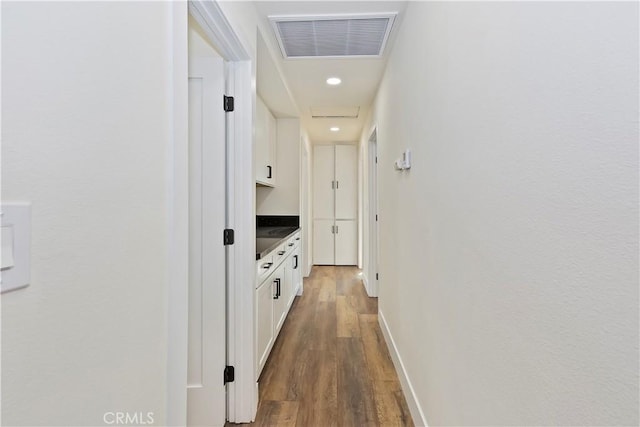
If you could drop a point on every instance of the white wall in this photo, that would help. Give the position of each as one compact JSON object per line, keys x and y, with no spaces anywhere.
{"x":86,"y":97}
{"x":284,"y":198}
{"x":199,"y":45}
{"x":509,"y":251}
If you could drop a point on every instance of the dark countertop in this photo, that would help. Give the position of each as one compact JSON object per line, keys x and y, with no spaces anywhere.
{"x":268,"y":238}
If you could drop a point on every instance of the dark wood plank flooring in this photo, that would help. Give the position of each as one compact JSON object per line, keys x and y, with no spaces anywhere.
{"x":330,"y":365}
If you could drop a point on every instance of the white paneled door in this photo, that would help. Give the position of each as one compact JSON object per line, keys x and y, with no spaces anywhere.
{"x":323,"y":242}
{"x":346,"y":178}
{"x":206,"y":400}
{"x":323,"y":182}
{"x":346,"y":242}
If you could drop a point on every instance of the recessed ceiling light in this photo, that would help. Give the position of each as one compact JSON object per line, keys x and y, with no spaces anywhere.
{"x":333,"y":81}
{"x":334,"y":129}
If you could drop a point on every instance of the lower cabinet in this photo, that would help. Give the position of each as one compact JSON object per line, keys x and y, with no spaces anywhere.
{"x":335,"y":242}
{"x":264,"y":320}
{"x":274,"y":297}
{"x":281,"y":297}
{"x":296,"y":274}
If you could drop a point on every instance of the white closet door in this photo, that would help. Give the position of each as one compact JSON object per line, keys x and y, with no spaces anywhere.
{"x":323,"y":242}
{"x":206,"y":392}
{"x":323,"y":177}
{"x":346,"y":242}
{"x":346,"y":176}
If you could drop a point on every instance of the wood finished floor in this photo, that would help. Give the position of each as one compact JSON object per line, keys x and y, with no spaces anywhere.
{"x":330,"y":365}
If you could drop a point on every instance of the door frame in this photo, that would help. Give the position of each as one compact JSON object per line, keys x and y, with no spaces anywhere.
{"x":242,"y":399}
{"x":372,"y":148}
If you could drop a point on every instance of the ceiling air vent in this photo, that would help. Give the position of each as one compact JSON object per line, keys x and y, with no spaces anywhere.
{"x":332,"y":36}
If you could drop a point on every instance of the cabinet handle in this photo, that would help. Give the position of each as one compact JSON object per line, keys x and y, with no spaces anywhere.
{"x":295,"y":257}
{"x":277,"y":295}
{"x":297,"y":238}
{"x":290,"y":244}
{"x":281,"y":252}
{"x":266,"y":265}
{"x":337,"y":184}
{"x":269,"y":174}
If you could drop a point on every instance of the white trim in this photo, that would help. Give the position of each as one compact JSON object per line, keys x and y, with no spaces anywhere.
{"x":177,"y":167}
{"x":372,"y":229}
{"x":242,"y":394}
{"x":218,"y":29}
{"x":409,"y":393}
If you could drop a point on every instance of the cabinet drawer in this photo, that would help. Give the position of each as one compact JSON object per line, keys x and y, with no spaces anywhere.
{"x":263,"y":267}
{"x":293,"y":241}
{"x":280,"y":253}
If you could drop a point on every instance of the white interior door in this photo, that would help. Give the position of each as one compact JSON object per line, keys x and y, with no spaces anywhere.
{"x":346,"y":242}
{"x":373,"y":216}
{"x":346,"y":182}
{"x":206,"y":399}
{"x":323,"y":179}
{"x":323,"y":242}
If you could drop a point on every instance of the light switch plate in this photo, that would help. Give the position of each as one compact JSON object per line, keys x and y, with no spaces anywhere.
{"x":16,"y":237}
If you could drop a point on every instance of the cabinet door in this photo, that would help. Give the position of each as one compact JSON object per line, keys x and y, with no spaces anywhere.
{"x":281,"y":298}
{"x":346,"y":182}
{"x":296,"y":274}
{"x":264,"y":153}
{"x":264,"y":321}
{"x":323,"y":179}
{"x":346,"y":242}
{"x":272,"y":128}
{"x":323,"y":244}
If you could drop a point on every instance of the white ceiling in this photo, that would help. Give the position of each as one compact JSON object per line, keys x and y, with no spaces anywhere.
{"x":304,"y":85}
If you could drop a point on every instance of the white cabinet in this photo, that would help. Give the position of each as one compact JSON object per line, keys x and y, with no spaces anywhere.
{"x":279,"y":277}
{"x":264,"y":320}
{"x":346,"y":242}
{"x":281,"y":296}
{"x":323,"y":182}
{"x":346,"y":167}
{"x":335,"y":205}
{"x":296,"y":274}
{"x":265,"y":145}
{"x":323,"y":242}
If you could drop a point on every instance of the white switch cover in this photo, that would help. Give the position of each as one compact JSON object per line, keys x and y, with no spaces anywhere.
{"x":6,"y":253}
{"x":15,"y":272}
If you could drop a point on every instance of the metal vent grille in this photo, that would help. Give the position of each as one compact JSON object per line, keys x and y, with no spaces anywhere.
{"x":332,"y":36}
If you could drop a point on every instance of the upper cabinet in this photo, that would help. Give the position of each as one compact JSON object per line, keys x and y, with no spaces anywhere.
{"x":265,"y":147}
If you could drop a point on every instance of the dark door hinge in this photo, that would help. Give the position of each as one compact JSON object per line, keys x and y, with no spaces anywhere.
{"x":229,"y":374}
{"x":228,"y":103}
{"x":376,"y":276}
{"x":376,"y":217}
{"x":229,"y":236}
{"x":376,"y":160}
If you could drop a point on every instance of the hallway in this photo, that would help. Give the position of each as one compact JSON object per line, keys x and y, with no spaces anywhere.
{"x":330,"y":365}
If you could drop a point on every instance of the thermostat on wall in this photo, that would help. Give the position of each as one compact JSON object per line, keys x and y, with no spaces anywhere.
{"x":15,"y":269}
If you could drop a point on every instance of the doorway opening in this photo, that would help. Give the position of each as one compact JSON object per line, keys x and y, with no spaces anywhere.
{"x":237,"y":401}
{"x":372,"y":273}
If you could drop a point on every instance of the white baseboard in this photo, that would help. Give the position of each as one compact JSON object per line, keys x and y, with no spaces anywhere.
{"x":409,"y":394}
{"x":365,"y":282}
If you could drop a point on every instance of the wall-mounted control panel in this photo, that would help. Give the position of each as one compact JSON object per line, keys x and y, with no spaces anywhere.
{"x":15,"y":268}
{"x":404,"y":162}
